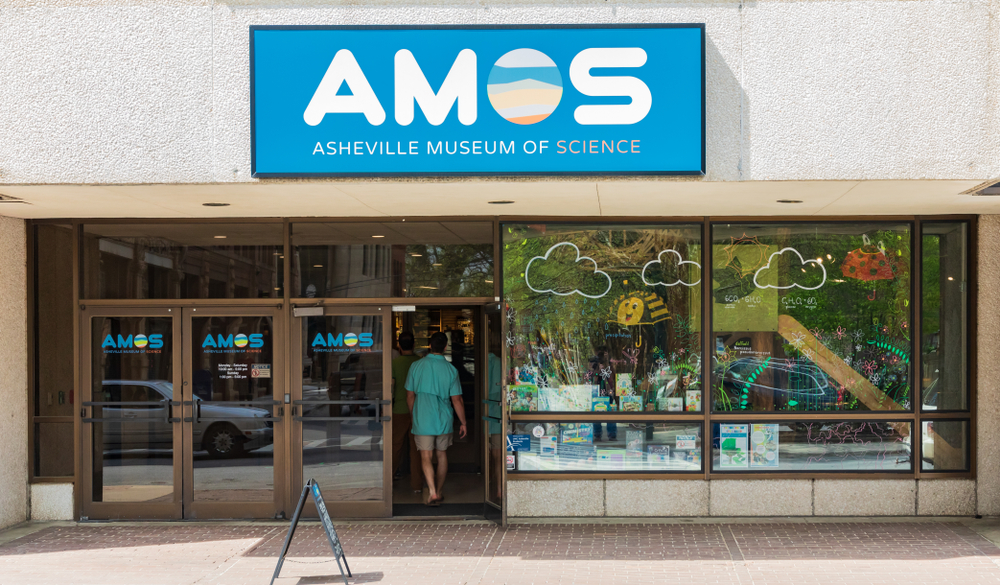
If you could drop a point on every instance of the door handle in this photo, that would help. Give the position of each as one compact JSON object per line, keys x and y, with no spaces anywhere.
{"x":128,"y":415}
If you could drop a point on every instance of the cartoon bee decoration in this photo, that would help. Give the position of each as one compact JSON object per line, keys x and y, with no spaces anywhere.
{"x":639,"y":309}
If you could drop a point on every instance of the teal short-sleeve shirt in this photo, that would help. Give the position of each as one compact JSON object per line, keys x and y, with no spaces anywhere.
{"x":434,"y":381}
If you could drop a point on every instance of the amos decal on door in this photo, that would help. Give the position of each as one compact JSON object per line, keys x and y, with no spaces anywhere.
{"x":453,"y":101}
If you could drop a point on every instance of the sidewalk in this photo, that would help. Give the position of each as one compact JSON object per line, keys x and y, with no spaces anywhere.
{"x":738,"y":552}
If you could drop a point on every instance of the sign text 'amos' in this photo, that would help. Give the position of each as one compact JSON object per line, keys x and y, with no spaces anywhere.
{"x":451,"y":101}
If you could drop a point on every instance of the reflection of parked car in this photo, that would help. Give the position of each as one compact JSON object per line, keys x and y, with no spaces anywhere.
{"x":223,"y":431}
{"x":798,"y":378}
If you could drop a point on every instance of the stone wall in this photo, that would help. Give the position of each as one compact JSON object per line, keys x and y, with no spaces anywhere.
{"x":13,"y":374}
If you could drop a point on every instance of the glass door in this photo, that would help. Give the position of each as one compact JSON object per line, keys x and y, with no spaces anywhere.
{"x":233,"y":395}
{"x":341,"y":407}
{"x":130,"y":413}
{"x":493,"y":415}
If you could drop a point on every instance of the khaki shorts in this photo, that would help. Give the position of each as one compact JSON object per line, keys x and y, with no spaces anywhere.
{"x":433,"y":442}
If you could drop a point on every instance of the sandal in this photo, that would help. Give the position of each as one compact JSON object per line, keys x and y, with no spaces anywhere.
{"x":433,"y":503}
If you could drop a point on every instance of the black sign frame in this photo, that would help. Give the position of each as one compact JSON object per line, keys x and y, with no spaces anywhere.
{"x":311,"y":487}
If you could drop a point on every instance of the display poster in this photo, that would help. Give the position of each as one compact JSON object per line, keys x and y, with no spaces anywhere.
{"x":518,"y":443}
{"x":686,"y":442}
{"x":733,"y":446}
{"x":511,"y":462}
{"x":764,"y":445}
{"x":453,"y":100}
{"x":260,"y":371}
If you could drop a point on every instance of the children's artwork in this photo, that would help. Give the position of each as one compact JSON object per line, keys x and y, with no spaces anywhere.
{"x":522,"y":397}
{"x":623,"y":385}
{"x":630,"y":403}
{"x":600,"y":404}
{"x":611,"y":458}
{"x":570,"y":398}
{"x":658,"y":453}
{"x":547,"y":446}
{"x":733,"y":447}
{"x":675,"y":404}
{"x":868,"y":263}
{"x":634,"y":441}
{"x":686,"y":442}
{"x":764,"y":445}
{"x":693,"y":400}
{"x":576,"y":433}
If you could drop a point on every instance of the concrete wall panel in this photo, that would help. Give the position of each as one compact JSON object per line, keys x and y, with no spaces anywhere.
{"x":51,"y":501}
{"x":988,"y":366}
{"x":652,"y":498}
{"x":865,"y":497}
{"x":761,"y":497}
{"x":946,"y":497}
{"x":106,"y":92}
{"x":13,"y":374}
{"x":555,"y":498}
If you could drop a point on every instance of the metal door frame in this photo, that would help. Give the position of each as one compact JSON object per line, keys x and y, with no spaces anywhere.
{"x":126,"y":510}
{"x":492,"y":510}
{"x":274,"y":509}
{"x":343,"y":509}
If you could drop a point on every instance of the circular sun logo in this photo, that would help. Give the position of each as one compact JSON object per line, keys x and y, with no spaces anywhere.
{"x":525,"y":86}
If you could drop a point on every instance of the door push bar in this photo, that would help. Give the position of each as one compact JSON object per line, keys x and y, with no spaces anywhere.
{"x":197,"y":404}
{"x":317,"y":402}
{"x":167,"y":419}
{"x":329,"y":418}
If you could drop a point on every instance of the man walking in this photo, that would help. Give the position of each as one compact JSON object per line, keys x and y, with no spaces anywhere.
{"x":432,"y":391}
{"x":401,"y":419}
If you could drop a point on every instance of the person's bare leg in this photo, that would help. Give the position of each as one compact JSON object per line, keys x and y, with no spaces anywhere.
{"x":442,"y":472}
{"x":428,"y":467}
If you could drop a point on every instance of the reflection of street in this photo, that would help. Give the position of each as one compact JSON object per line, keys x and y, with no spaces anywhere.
{"x":345,"y":457}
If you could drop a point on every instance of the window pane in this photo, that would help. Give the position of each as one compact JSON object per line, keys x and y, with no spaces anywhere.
{"x":610,"y":446}
{"x":400,"y":259}
{"x":183,"y":261}
{"x":811,"y":317}
{"x":53,"y":314}
{"x":945,"y":445}
{"x":811,"y":446}
{"x":943,"y":288}
{"x":603,"y":318}
{"x":54,"y":449}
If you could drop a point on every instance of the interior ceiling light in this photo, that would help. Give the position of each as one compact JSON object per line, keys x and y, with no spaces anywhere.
{"x":378,"y":236}
{"x":215,"y":204}
{"x":417,"y":255}
{"x":789,"y":201}
{"x":501,"y":202}
{"x":317,"y":266}
{"x":219,"y":237}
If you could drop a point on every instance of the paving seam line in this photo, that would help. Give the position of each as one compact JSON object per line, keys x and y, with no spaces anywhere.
{"x":475,"y":570}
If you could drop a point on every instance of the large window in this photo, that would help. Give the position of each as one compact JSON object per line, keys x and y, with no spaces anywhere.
{"x":398,"y":259}
{"x":832,"y":347}
{"x":183,"y":261}
{"x":603,"y":319}
{"x":811,"y":317}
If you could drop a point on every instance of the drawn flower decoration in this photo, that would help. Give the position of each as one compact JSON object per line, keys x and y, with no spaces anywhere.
{"x":511,"y":339}
{"x":868,"y":367}
{"x":605,"y":373}
{"x":857,"y":348}
{"x":840,"y":332}
{"x":847,"y":360}
{"x":859,"y":335}
{"x":817,"y":333}
{"x":875,"y":378}
{"x":798,"y":340}
{"x":810,"y":354}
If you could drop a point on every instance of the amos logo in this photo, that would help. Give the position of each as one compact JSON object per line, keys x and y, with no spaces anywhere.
{"x":341,"y":341}
{"x":449,"y":100}
{"x":525,"y":86}
{"x":132,"y":344}
{"x":234,"y":343}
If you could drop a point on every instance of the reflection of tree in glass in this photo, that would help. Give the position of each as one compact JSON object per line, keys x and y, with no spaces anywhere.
{"x":459,"y":270}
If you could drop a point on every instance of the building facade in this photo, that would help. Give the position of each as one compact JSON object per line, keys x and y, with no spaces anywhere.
{"x":785,"y":310}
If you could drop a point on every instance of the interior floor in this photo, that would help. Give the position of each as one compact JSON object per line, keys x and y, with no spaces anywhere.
{"x":459,"y":488}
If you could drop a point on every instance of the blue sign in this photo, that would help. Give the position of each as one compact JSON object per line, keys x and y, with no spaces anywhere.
{"x":356,"y":101}
{"x":519,"y":442}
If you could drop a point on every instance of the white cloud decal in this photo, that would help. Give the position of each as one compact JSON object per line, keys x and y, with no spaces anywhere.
{"x":803,"y":266}
{"x":675,"y":260}
{"x":568,"y":277}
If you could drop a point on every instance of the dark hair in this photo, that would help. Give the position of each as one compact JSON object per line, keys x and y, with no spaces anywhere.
{"x":406,"y":341}
{"x":439,"y":341}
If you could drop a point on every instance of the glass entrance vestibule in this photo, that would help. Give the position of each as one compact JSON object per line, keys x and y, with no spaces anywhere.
{"x":216,"y":366}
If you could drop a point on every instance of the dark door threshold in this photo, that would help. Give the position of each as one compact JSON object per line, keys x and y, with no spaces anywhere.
{"x":457,"y":510}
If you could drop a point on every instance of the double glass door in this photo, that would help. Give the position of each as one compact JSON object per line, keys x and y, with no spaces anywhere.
{"x":182,"y":412}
